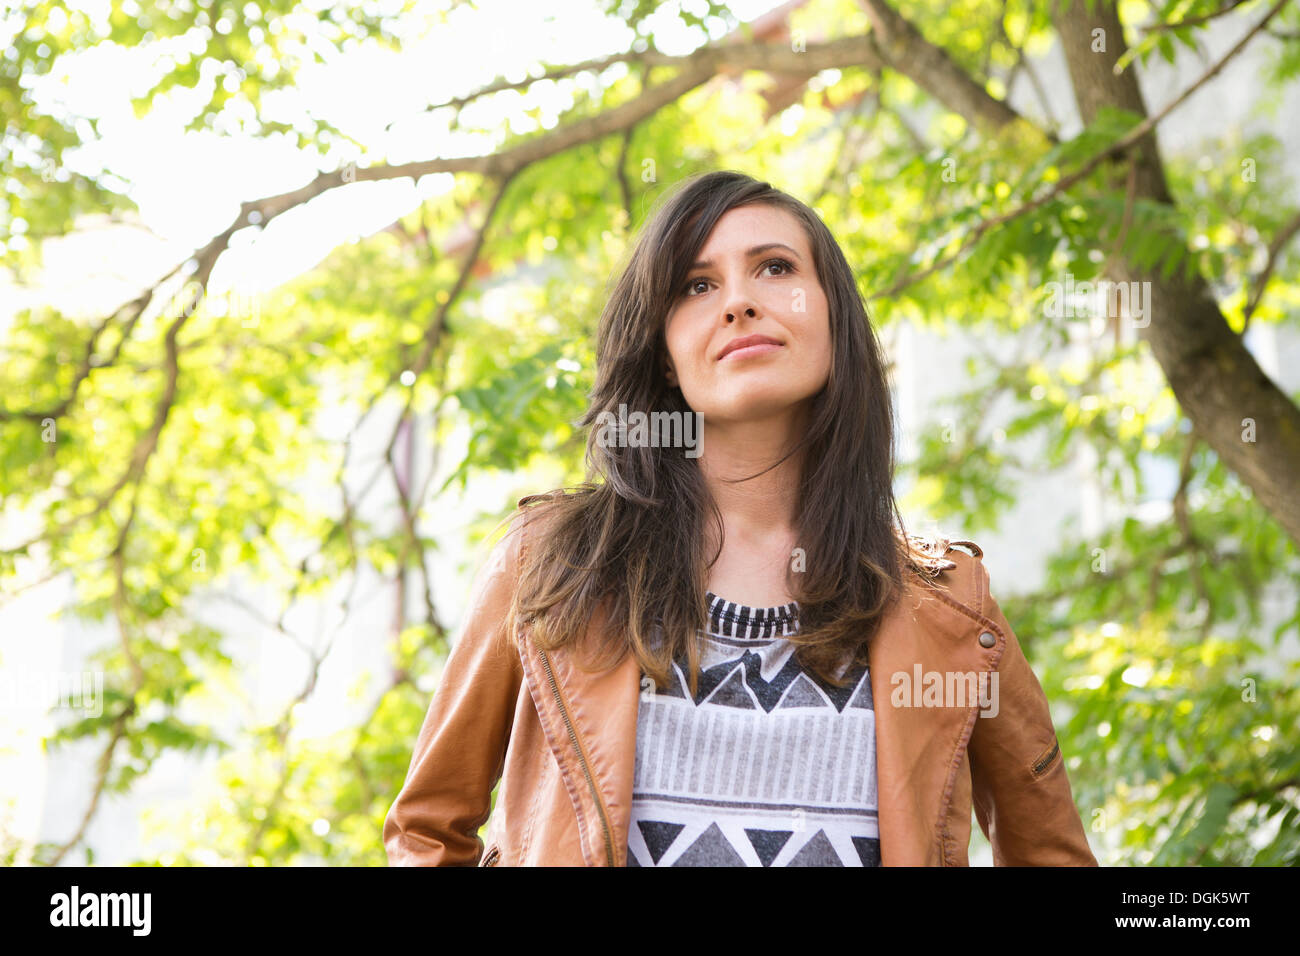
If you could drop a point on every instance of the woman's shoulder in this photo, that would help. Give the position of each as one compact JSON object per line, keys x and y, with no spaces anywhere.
{"x":535,"y":518}
{"x":948,"y":562}
{"x":506,"y":553}
{"x":537,"y":511}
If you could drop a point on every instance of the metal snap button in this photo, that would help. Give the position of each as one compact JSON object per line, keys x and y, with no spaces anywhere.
{"x":987,"y":639}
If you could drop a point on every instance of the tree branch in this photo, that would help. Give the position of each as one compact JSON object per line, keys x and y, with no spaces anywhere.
{"x":902,"y":47}
{"x":1125,"y":142}
{"x":1194,"y":21}
{"x":1285,"y":234}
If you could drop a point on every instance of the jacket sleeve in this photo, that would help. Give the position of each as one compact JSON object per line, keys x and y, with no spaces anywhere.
{"x":460,"y":752}
{"x":1019,"y":787}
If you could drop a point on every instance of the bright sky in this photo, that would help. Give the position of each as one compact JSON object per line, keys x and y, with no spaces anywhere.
{"x":188,"y":185}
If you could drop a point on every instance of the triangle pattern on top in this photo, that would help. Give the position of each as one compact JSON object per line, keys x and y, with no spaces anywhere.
{"x":803,"y":693}
{"x":732,"y":692}
{"x":659,"y":836}
{"x":767,"y":843}
{"x":711,"y":848}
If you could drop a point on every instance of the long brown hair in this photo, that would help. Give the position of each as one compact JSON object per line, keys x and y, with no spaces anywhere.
{"x":628,"y":550}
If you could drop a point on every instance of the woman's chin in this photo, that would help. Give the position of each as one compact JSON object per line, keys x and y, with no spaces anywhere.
{"x":752,"y":405}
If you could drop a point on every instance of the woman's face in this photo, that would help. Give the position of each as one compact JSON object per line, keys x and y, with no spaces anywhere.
{"x":754,"y":276}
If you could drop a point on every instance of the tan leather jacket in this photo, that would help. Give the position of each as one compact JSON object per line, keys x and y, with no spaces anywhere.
{"x":562,"y":741}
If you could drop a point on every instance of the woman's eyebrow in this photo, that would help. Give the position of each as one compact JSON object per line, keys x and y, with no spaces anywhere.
{"x":750,"y":253}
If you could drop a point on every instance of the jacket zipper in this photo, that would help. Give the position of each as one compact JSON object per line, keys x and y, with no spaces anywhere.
{"x":1042,"y":764}
{"x":573,"y":736}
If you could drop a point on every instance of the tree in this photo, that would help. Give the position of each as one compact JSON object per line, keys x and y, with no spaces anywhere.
{"x":951,"y":201}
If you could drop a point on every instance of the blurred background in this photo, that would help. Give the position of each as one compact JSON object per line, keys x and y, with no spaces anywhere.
{"x":297,"y":299}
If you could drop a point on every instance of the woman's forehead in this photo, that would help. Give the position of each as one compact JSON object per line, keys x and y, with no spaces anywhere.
{"x":744,"y":226}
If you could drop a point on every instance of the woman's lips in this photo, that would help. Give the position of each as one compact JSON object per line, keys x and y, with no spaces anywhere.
{"x":749,"y":351}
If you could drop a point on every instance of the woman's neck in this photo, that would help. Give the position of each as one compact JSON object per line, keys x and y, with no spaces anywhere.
{"x":731,"y":451}
{"x":758,"y":514}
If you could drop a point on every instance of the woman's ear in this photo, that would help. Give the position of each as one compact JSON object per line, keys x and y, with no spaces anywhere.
{"x":669,"y":373}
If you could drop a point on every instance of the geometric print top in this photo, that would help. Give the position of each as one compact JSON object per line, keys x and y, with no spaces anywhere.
{"x":765,"y":766}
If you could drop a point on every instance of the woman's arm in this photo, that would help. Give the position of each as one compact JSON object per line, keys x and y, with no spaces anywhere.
{"x":460,"y":752}
{"x":1019,"y":786}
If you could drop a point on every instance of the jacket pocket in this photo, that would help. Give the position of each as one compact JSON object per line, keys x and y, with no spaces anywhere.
{"x":491,"y":857}
{"x":1043,"y":763}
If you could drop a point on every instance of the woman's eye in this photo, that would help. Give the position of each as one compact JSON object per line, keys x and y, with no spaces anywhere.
{"x":693,"y":284}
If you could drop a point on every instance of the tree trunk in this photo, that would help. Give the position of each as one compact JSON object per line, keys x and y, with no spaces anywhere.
{"x":1216,"y":380}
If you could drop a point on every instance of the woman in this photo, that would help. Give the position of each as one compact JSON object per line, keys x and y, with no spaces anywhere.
{"x":731,"y":653}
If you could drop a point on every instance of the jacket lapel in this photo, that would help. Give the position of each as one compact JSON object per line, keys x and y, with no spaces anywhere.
{"x":919,"y":748}
{"x":591,"y":728}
